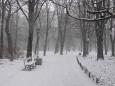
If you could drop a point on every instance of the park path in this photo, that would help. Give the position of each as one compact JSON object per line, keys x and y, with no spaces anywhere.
{"x":56,"y":70}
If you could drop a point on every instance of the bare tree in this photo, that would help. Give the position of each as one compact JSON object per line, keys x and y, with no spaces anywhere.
{"x":10,"y":47}
{"x":16,"y":39}
{"x":46,"y":37}
{"x":39,"y":27}
{"x":3,"y":3}
{"x":62,"y":19}
{"x":112,"y":38}
{"x":101,"y":16}
{"x":31,"y":18}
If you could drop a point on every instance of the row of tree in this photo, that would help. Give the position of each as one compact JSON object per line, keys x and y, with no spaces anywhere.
{"x":96,"y":14}
{"x":56,"y":25}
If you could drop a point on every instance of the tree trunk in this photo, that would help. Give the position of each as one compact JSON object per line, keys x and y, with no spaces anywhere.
{"x":112,"y":26}
{"x":61,"y":42}
{"x":83,"y":28}
{"x":112,"y":46}
{"x":37,"y":42}
{"x":100,"y":48}
{"x":57,"y":44}
{"x":2,"y":27}
{"x":46,"y":38}
{"x":99,"y":34}
{"x":10,"y":47}
{"x":112,"y":41}
{"x":61,"y":48}
{"x":29,"y":47}
{"x":17,"y":18}
{"x":105,"y":42}
{"x":60,"y":19}
{"x":87,"y":47}
{"x":31,"y":5}
{"x":84,"y":44}
{"x":64,"y":34}
{"x":100,"y":25}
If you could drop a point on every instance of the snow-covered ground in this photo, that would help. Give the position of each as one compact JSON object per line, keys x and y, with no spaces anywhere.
{"x":102,"y":69}
{"x":56,"y":70}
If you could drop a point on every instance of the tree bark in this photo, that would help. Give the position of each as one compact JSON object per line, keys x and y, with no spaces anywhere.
{"x":84,"y":43}
{"x":112,"y":46}
{"x":57,"y":44}
{"x":16,"y":39}
{"x":111,"y":38}
{"x":46,"y":38}
{"x":83,"y":28}
{"x":37,"y":42}
{"x":105,"y":42}
{"x":61,"y":42}
{"x":2,"y":27}
{"x":100,"y":48}
{"x":99,"y":35}
{"x":112,"y":42}
{"x":31,"y":5}
{"x":99,"y":29}
{"x":10,"y":47}
{"x":64,"y":34}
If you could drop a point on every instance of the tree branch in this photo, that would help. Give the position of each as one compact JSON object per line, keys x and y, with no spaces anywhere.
{"x":18,"y":9}
{"x":22,"y":10}
{"x":39,"y":11}
{"x":89,"y":20}
{"x":57,"y":4}
{"x":98,"y":12}
{"x":85,"y":19}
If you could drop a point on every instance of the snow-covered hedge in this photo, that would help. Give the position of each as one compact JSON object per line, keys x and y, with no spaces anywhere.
{"x":101,"y":71}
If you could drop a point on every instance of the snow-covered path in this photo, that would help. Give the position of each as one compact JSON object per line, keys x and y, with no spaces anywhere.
{"x":55,"y":71}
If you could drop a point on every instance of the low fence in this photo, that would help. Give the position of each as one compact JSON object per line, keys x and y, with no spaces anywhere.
{"x":87,"y":72}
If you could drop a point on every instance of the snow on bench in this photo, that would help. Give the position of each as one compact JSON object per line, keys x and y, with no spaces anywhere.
{"x":29,"y":63}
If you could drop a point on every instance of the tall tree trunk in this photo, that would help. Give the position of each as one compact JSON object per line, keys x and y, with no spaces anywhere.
{"x":84,"y":43}
{"x":61,"y":42}
{"x":2,"y":27}
{"x":10,"y":47}
{"x":60,"y":18}
{"x":83,"y":27}
{"x":81,"y":41}
{"x":46,"y":38}
{"x":37,"y":42}
{"x":31,"y":5}
{"x":64,"y":34}
{"x":112,"y":41}
{"x":17,"y":19}
{"x":99,"y":29}
{"x":57,"y":47}
{"x":57,"y":44}
{"x":87,"y":51}
{"x":99,"y":35}
{"x":112,"y":46}
{"x":105,"y":42}
{"x":100,"y":48}
{"x":111,"y":37}
{"x":60,"y":23}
